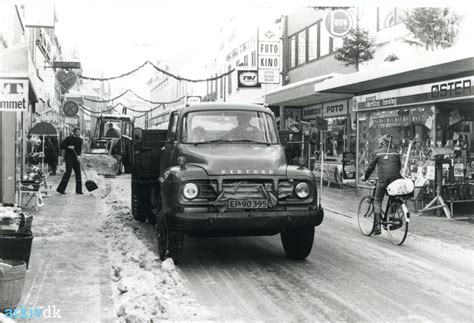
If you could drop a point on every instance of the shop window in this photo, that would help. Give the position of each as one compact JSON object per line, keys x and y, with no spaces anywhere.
{"x":336,"y":136}
{"x":404,"y":124}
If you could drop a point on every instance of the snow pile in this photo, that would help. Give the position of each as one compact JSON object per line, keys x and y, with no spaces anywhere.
{"x":102,"y":164}
{"x":144,"y":287}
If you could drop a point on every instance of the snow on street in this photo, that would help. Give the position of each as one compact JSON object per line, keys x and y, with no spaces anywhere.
{"x":94,"y":262}
{"x":347,"y":277}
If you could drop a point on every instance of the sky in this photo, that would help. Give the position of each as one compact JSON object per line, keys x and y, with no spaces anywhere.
{"x":114,"y":37}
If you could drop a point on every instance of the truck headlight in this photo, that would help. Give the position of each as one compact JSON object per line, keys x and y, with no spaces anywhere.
{"x":190,"y":191}
{"x":302,"y":190}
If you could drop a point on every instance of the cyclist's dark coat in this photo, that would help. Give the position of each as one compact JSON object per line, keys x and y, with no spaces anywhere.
{"x":388,"y":169}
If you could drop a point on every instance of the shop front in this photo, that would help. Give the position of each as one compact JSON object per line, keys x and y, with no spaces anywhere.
{"x":432,"y":125}
{"x":333,"y":124}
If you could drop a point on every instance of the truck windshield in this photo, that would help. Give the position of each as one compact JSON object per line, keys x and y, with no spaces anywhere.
{"x":229,"y":126}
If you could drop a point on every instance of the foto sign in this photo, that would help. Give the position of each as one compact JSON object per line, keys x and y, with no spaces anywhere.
{"x":269,"y":56}
{"x":13,"y":94}
{"x":248,"y":79}
{"x":338,"y":22}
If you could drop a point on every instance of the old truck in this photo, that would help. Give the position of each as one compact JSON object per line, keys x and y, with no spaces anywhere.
{"x":220,"y":170}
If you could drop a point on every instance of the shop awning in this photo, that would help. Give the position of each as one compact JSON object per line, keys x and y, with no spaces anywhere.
{"x":302,"y":93}
{"x":424,"y":69}
{"x":428,"y":68}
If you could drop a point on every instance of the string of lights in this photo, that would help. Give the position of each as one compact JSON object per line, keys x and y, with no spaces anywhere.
{"x":159,"y":70}
{"x":138,"y":96}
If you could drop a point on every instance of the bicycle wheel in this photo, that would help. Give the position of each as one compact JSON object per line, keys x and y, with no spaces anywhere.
{"x":397,"y":223}
{"x":365,"y":215}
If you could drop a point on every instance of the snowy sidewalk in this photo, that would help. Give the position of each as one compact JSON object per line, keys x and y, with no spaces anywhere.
{"x":69,"y":265}
{"x":458,"y":231}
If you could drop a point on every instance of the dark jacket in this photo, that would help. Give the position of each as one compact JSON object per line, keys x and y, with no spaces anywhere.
{"x":388,"y":169}
{"x":72,"y":141}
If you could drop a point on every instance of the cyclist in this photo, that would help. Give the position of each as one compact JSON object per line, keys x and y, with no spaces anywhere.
{"x":389,"y":165}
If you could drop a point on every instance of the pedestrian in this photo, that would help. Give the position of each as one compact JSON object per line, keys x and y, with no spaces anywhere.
{"x":72,"y":146}
{"x":51,"y":156}
{"x":389,"y":165}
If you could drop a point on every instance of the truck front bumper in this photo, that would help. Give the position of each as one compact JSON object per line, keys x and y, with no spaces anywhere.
{"x":250,"y":221}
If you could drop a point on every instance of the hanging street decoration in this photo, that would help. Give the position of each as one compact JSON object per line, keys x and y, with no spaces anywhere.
{"x":179,"y":78}
{"x":70,"y":108}
{"x":66,"y":79}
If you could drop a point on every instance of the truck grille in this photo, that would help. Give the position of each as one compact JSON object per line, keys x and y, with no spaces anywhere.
{"x":245,"y":189}
{"x":207,"y":190}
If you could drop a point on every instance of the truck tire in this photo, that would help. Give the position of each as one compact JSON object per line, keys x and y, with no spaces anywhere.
{"x":141,"y":203}
{"x":298,"y":243}
{"x":170,"y":242}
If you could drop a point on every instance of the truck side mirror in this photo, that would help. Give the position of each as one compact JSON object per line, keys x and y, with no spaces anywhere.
{"x":313,"y":136}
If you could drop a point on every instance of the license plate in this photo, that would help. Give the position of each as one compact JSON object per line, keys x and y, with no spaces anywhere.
{"x":248,"y":204}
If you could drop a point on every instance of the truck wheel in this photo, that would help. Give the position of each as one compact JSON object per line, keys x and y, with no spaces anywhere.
{"x":298,"y":242}
{"x":137,"y":215}
{"x":170,"y":243}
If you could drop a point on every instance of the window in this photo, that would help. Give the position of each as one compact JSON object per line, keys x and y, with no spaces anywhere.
{"x":229,"y":126}
{"x":302,"y":47}
{"x":324,"y":40}
{"x":292,"y":51}
{"x":173,"y":127}
{"x":229,"y":81}
{"x":313,"y":42}
{"x":389,"y":17}
{"x":246,"y":60}
{"x":337,"y":42}
{"x":254,"y":58}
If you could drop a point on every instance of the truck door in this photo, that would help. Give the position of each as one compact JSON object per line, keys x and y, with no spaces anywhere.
{"x":169,"y":149}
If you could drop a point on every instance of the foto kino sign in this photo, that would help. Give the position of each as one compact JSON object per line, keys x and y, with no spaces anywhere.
{"x":13,"y":94}
{"x":338,"y":22}
{"x":269,"y":56}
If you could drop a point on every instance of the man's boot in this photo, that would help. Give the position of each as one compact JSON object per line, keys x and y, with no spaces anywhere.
{"x":377,"y":229}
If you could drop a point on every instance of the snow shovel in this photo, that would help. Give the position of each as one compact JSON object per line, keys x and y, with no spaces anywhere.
{"x":90,"y":184}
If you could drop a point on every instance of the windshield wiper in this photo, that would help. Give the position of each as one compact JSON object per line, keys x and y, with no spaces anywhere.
{"x":212,"y":141}
{"x":249,"y":140}
{"x":230,"y":140}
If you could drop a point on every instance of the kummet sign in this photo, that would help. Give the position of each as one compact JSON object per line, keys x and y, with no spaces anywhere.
{"x":13,"y":94}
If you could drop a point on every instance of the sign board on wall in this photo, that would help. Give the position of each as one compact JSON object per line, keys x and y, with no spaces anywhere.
{"x":326,"y":110}
{"x":311,"y":111}
{"x":13,"y":94}
{"x":193,"y":99}
{"x":425,"y":93}
{"x":338,"y":22}
{"x":335,"y":109}
{"x":247,"y":79}
{"x":269,"y":56}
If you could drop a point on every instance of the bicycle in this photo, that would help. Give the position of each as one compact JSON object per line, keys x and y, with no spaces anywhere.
{"x":394,"y":220}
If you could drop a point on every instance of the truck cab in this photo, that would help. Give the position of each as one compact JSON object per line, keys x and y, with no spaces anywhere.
{"x":223,"y":172}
